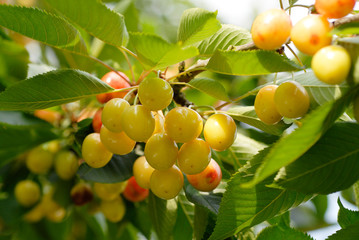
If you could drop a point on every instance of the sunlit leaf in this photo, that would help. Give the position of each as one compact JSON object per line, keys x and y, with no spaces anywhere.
{"x":255,"y":62}
{"x":51,"y":89}
{"x":211,"y":87}
{"x":96,"y":18}
{"x":42,"y":26}
{"x":228,"y":35}
{"x":197,"y":24}
{"x":242,"y":208}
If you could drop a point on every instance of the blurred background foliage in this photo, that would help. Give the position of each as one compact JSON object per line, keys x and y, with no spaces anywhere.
{"x":21,"y":57}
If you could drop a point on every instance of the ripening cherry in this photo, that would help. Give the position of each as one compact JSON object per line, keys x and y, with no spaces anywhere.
{"x":138,"y":123}
{"x":109,"y":191}
{"x":142,"y":172}
{"x":161,"y":151}
{"x":116,"y":142}
{"x":183,"y":124}
{"x":166,"y":184}
{"x":291,"y":100}
{"x":208,"y":179}
{"x":48,"y":115}
{"x":311,"y":34}
{"x":334,"y":8}
{"x":96,"y":121}
{"x":94,"y":152}
{"x":331,"y":64}
{"x":112,"y":113}
{"x":40,"y":159}
{"x":134,"y":192}
{"x":27,"y":193}
{"x":114,"y":210}
{"x":220,"y":131}
{"x":155,"y":93}
{"x":66,"y":164}
{"x":81,"y":194}
{"x":194,"y":156}
{"x":265,"y":107}
{"x":271,"y":29}
{"x":117,"y":80}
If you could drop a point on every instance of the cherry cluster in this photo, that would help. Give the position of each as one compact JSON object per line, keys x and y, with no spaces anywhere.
{"x":172,"y":139}
{"x":312,"y":36}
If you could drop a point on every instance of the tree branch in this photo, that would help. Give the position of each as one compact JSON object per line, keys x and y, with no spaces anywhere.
{"x":344,"y":20}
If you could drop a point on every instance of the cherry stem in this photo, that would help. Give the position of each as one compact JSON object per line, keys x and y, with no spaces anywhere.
{"x":129,"y":52}
{"x":281,"y":4}
{"x":108,"y":67}
{"x":298,"y":5}
{"x":253,"y":92}
{"x":295,"y":55}
{"x":128,"y":95}
{"x":129,"y":64}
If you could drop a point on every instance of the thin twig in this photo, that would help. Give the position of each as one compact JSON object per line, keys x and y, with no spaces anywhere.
{"x":344,"y":20}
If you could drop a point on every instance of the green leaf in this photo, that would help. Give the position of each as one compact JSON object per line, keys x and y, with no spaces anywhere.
{"x":163,"y":214}
{"x":346,"y":217}
{"x":95,"y":18}
{"x":128,"y":9}
{"x":51,"y":89}
{"x":204,"y":223}
{"x":140,"y":217}
{"x":319,"y":92}
{"x":196,"y":25}
{"x":228,"y":35}
{"x":42,"y":26}
{"x":347,"y":28}
{"x":282,"y":233}
{"x":211,"y":87}
{"x":14,"y":60}
{"x":242,"y":150}
{"x":350,"y":232}
{"x":255,"y":62}
{"x":155,"y":52}
{"x":321,"y":205}
{"x":242,"y":208}
{"x":201,"y":218}
{"x":336,"y":163}
{"x":290,"y":147}
{"x":118,"y":169}
{"x":183,"y":228}
{"x":187,"y":208}
{"x":292,"y":2}
{"x":247,"y":114}
{"x":351,"y":44}
{"x":21,"y":132}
